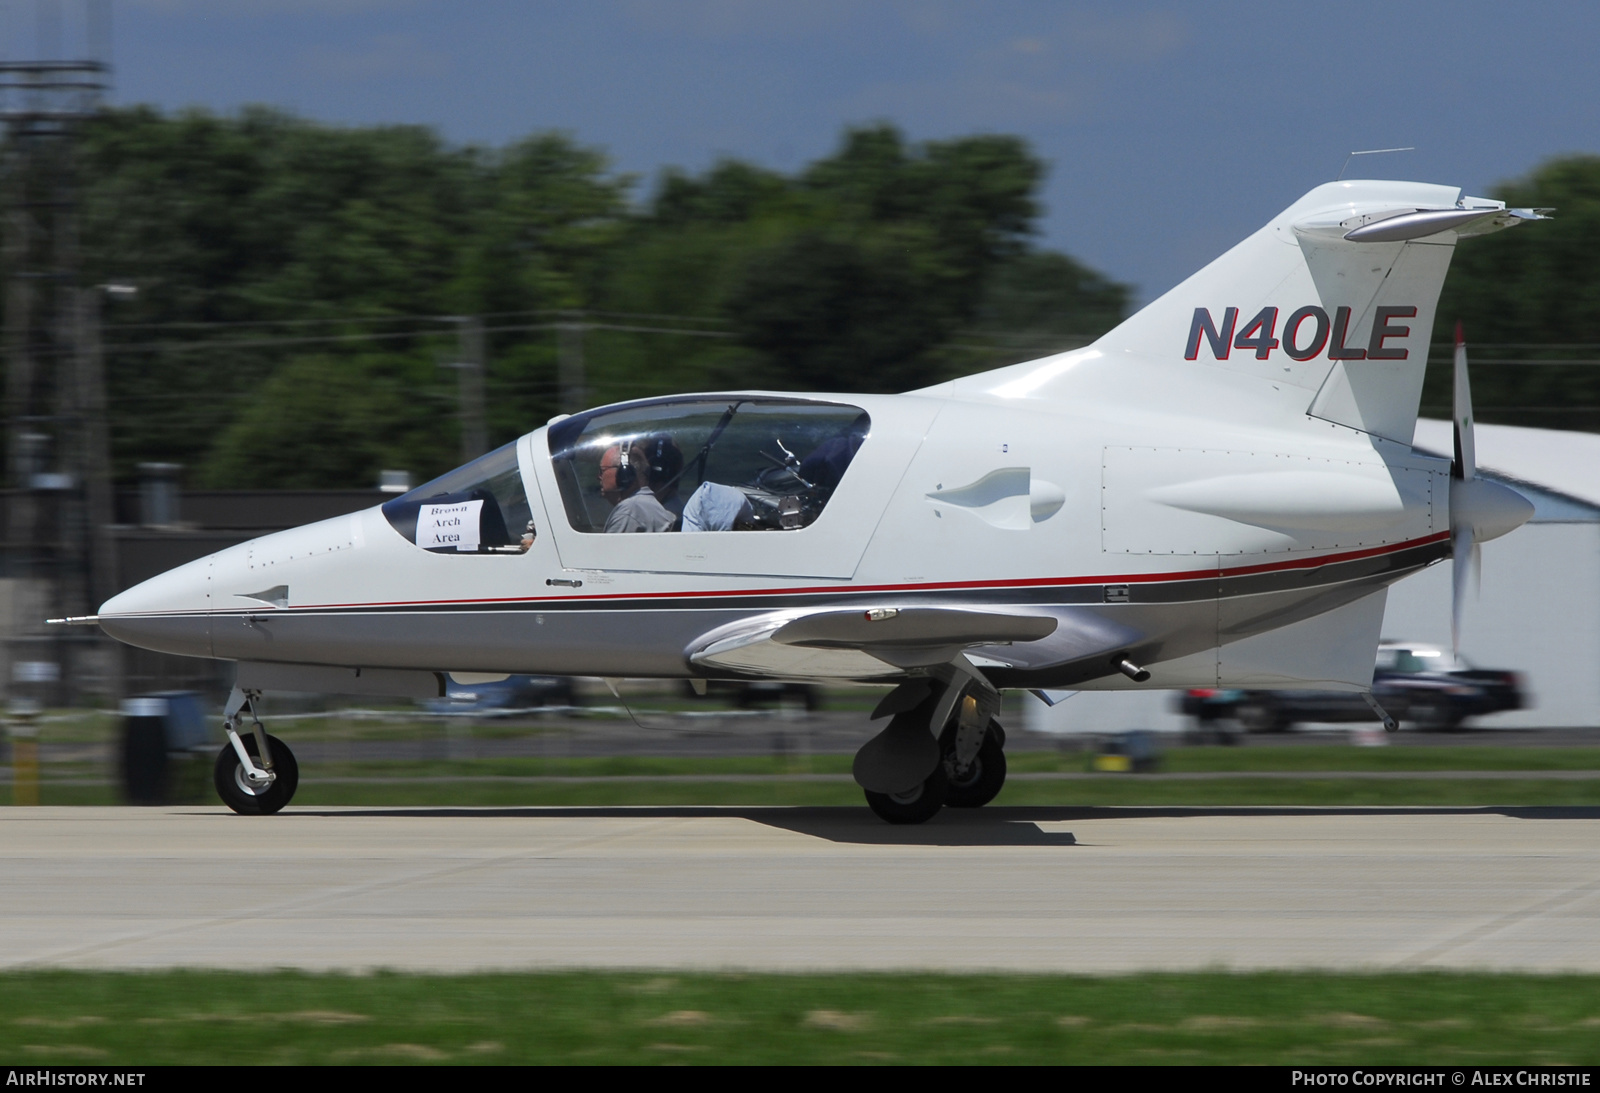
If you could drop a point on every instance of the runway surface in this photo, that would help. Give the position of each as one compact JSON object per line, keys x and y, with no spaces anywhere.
{"x":1023,"y":889}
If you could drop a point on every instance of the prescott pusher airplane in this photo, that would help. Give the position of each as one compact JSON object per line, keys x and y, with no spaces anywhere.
{"x":1216,"y":493}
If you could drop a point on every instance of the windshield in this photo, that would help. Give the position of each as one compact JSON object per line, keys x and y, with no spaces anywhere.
{"x":1419,"y":660}
{"x":693,"y":465}
{"x":479,"y":508}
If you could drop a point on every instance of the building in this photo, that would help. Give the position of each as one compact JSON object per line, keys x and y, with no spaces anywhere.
{"x":157,"y":527}
{"x":1536,"y":611}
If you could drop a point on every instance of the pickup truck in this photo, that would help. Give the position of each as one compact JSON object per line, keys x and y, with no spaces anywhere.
{"x":1416,"y":683}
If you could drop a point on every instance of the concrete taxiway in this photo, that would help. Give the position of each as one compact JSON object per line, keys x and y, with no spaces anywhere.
{"x":1022,"y":889}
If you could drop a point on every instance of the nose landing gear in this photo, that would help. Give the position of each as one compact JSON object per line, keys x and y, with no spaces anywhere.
{"x":255,"y":775}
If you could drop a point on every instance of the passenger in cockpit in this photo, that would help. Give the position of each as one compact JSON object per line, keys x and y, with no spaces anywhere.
{"x":826,"y":464}
{"x":715,"y":507}
{"x":628,"y":474}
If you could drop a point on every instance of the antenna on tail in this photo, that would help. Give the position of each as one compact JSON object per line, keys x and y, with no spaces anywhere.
{"x":1369,"y":152}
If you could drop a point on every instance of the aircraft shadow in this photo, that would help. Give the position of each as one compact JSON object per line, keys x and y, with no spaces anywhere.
{"x":994,"y":826}
{"x":953,"y":827}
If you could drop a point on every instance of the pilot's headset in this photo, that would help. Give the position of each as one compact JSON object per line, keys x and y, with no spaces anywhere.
{"x":658,"y":458}
{"x":663,"y":459}
{"x":627,"y":473}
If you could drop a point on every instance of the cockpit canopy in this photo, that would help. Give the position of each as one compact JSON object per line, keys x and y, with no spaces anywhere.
{"x":479,"y":508}
{"x":716,"y":464}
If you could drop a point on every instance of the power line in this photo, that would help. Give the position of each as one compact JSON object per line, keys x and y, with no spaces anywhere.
{"x":328,"y":339}
{"x":570,"y":314}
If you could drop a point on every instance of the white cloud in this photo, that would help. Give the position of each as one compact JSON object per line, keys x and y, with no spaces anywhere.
{"x":1147,"y":36}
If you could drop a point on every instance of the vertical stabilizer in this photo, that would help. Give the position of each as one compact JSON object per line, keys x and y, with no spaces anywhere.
{"x":1335,"y":296}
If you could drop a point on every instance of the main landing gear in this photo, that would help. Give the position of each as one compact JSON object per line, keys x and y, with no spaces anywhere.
{"x":941,"y":747}
{"x":255,"y":775}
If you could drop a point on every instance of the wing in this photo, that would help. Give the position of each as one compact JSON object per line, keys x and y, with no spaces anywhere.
{"x":888,"y":642}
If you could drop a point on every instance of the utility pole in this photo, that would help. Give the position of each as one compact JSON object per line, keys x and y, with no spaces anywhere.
{"x":57,"y":460}
{"x":94,"y":454}
{"x":469,"y":387}
{"x":569,"y":363}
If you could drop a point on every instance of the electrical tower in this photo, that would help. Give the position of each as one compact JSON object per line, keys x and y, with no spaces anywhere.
{"x":59,"y":506}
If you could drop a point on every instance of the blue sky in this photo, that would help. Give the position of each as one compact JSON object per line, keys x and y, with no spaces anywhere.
{"x":1171,"y":130}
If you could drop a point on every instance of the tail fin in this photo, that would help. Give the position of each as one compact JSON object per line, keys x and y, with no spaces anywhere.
{"x":1336,"y":296}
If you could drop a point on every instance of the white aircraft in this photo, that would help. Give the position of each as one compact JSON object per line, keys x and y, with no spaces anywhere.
{"x":1217,"y":492}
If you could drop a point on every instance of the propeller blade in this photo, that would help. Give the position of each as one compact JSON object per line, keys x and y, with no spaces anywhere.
{"x":1465,"y":466}
{"x":1463,"y":560}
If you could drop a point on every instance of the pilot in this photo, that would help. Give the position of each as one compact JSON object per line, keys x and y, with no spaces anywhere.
{"x":628,"y":473}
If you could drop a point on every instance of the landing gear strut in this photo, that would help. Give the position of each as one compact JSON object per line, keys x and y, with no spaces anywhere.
{"x":980,"y":780}
{"x":255,"y":775}
{"x":943,"y":746}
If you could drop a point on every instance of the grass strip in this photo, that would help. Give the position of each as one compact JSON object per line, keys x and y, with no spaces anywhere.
{"x":1112,"y":790}
{"x":1108,"y":790}
{"x":1180,"y":760}
{"x":229,"y":1018}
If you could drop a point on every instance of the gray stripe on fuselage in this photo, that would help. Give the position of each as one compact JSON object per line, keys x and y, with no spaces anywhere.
{"x":584,"y":636}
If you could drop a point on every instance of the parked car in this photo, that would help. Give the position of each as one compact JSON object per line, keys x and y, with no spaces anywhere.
{"x":1422,"y":684}
{"x":760,"y":694}
{"x":509,"y":695}
{"x":1215,"y":712}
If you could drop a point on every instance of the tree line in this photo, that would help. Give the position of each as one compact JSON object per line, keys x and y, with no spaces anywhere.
{"x":1529,"y":302}
{"x":298,"y":284}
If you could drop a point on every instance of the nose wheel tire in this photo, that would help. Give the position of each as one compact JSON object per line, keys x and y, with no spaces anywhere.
{"x":237,"y":792}
{"x":915,"y":806}
{"x":980,"y":783}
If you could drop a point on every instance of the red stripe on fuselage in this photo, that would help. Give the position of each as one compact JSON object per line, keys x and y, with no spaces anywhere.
{"x":1312,"y":562}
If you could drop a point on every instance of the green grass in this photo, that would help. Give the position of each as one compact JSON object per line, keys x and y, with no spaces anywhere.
{"x":231,"y":1018}
{"x":1308,"y":758}
{"x":1319,"y":757}
{"x":1129,"y":790}
{"x":1111,"y":790}
{"x":646,"y":780}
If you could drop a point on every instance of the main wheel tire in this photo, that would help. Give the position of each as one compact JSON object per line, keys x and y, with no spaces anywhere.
{"x":915,"y":806}
{"x":236,"y":791}
{"x":981,"y":782}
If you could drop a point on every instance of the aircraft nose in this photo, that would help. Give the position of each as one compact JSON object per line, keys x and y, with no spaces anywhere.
{"x":168,"y":613}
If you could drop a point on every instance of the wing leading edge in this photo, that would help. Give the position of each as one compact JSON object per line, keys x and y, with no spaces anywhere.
{"x":864,"y":643}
